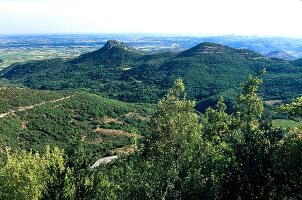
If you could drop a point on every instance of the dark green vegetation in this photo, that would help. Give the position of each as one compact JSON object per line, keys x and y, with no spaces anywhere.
{"x":227,"y":156}
{"x":118,"y":71}
{"x":234,"y":151}
{"x":40,"y":118}
{"x":14,"y":97}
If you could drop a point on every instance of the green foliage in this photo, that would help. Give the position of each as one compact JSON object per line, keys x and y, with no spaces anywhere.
{"x":285,"y":123}
{"x":57,"y":180}
{"x":250,"y":105}
{"x":9,"y":129}
{"x":252,"y":145}
{"x":53,"y":175}
{"x":14,"y":97}
{"x":174,"y":162}
{"x":174,"y":121}
{"x":208,"y":70}
{"x":174,"y":138}
{"x":287,"y":166}
{"x":294,"y":108}
{"x":218,"y":121}
{"x":24,"y":174}
{"x":238,"y":155}
{"x":79,"y":115}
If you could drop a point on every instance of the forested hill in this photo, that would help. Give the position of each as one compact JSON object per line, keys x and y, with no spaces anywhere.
{"x":121,"y":72}
{"x":112,"y":53}
{"x":32,"y":119}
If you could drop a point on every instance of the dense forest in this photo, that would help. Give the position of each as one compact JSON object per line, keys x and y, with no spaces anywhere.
{"x":185,"y":155}
{"x":32,"y":119}
{"x":121,"y":72}
{"x":118,"y":123}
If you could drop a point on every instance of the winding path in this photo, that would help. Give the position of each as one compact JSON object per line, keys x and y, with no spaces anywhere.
{"x":23,"y":108}
{"x":99,"y":162}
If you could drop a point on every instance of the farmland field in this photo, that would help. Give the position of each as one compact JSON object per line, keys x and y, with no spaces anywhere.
{"x":286,"y":123}
{"x":10,"y":56}
{"x":22,"y":48}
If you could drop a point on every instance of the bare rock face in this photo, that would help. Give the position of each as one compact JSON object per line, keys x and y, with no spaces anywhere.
{"x":110,"y":44}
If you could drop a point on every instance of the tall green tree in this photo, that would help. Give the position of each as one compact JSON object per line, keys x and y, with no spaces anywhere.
{"x":288,"y":157}
{"x":252,"y":145}
{"x":175,"y":135}
{"x":287,"y":169}
{"x":176,"y":161}
{"x":83,"y":181}
{"x":58,"y":181}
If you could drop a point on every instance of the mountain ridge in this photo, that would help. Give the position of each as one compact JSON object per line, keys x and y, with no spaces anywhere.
{"x":121,"y":72}
{"x":113,"y":52}
{"x":280,"y":54}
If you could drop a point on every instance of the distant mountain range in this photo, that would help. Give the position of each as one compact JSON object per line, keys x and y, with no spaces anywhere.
{"x":122,"y":72}
{"x":69,"y":45}
{"x":264,"y":45}
{"x":280,"y":54}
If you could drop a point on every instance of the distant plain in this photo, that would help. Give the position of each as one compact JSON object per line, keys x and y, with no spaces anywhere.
{"x":23,"y":48}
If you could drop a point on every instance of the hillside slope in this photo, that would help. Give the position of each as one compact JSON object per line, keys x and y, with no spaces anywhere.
{"x":121,"y":72}
{"x":102,"y":124}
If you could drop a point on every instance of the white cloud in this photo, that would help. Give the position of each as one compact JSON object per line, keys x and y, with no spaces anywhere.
{"x":243,"y":17}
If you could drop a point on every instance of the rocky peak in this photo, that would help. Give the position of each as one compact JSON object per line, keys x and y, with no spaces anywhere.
{"x":110,"y":44}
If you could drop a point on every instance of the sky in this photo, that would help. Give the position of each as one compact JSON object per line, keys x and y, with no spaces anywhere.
{"x":184,"y":17}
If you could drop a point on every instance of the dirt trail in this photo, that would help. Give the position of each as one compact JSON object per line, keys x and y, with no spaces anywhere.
{"x":107,"y":119}
{"x":137,"y":115}
{"x":119,"y":151}
{"x":108,"y":131}
{"x":104,"y":160}
{"x":23,"y":108}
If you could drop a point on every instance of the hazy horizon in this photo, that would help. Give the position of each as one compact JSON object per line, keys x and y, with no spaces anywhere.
{"x":270,"y":18}
{"x":150,"y":34}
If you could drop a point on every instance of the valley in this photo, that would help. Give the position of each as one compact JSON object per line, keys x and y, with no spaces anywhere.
{"x":122,"y":122}
{"x":150,"y":100}
{"x":209,"y":70}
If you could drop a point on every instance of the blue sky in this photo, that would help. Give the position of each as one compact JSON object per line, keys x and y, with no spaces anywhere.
{"x":187,"y":17}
